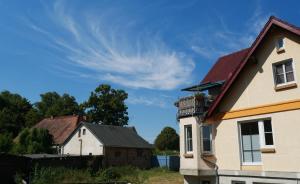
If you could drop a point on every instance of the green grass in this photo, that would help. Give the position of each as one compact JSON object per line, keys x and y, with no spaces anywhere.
{"x":126,"y":174}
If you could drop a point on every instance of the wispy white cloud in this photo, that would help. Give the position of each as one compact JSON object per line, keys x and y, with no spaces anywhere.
{"x":112,"y":52}
{"x":220,"y":39}
{"x":148,"y":101}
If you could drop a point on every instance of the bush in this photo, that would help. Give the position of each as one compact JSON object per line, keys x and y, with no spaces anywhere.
{"x":6,"y":142}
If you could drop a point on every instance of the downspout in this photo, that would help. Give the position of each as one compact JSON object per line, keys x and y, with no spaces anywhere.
{"x":216,"y":168}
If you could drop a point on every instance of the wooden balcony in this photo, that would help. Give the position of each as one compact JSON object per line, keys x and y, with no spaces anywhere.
{"x":195,"y":105}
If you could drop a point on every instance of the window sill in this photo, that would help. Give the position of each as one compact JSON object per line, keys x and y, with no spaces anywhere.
{"x":207,"y":154}
{"x":268,"y":150}
{"x":285,"y":86}
{"x":188,"y":155}
{"x":252,"y":164}
{"x":280,"y":50}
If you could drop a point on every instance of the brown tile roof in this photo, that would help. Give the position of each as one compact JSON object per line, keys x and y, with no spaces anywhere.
{"x":272,"y":22}
{"x":60,"y":127}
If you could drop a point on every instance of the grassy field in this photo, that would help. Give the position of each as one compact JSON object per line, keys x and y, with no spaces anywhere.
{"x":126,"y":174}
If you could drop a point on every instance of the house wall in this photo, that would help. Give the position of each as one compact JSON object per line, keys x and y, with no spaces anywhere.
{"x":191,"y":166}
{"x":255,"y":86}
{"x":128,"y":156}
{"x":286,"y":137}
{"x":90,"y":144}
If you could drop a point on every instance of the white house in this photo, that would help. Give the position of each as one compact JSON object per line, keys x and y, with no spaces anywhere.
{"x":119,"y":145}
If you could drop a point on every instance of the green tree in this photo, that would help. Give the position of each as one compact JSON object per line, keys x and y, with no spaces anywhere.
{"x":107,"y":106}
{"x":168,"y":139}
{"x":34,"y":140}
{"x":53,"y":104}
{"x":13,"y":110}
{"x":6,"y":142}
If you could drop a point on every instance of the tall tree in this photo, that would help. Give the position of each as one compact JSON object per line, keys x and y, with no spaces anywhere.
{"x":168,"y":139}
{"x":6,"y":142}
{"x":52,"y":104}
{"x":13,"y":110}
{"x":107,"y":106}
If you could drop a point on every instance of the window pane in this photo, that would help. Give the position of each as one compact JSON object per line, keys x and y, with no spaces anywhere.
{"x":267,"y":126}
{"x":279,"y":69}
{"x":256,"y":156}
{"x":206,"y":130}
{"x":188,"y":138}
{"x":269,"y":138}
{"x":280,"y":79}
{"x":246,"y":142}
{"x":255,"y":142}
{"x":249,"y":128}
{"x":206,"y":145}
{"x":280,"y":43}
{"x":290,"y":76}
{"x":288,"y":66}
{"x":247,"y":156}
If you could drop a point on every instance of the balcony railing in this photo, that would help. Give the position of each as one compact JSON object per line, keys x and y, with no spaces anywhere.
{"x":195,"y":105}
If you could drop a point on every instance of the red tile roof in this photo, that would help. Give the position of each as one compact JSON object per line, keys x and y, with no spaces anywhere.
{"x":225,"y":67}
{"x":60,"y":127}
{"x":272,"y":22}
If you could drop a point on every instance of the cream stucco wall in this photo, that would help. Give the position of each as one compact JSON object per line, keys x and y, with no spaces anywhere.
{"x":286,"y":136}
{"x":195,"y":163}
{"x":255,"y":85}
{"x":90,"y":144}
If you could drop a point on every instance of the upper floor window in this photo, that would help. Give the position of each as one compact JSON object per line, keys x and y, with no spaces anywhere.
{"x":188,"y":138}
{"x":83,"y":132}
{"x":280,"y":44}
{"x":79,"y":133}
{"x":207,"y":139}
{"x":284,"y":72}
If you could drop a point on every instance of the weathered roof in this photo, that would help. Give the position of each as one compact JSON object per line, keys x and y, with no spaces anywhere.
{"x":225,"y":67}
{"x":116,"y":136}
{"x":60,"y":127}
{"x":272,"y":22}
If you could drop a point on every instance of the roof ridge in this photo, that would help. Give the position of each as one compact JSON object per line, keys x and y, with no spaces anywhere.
{"x":107,"y":125}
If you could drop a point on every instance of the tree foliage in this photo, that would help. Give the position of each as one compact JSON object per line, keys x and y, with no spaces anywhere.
{"x":53,"y":104}
{"x":107,"y":106}
{"x":168,"y":139}
{"x":6,"y":142}
{"x":13,"y":111}
{"x":34,"y":140}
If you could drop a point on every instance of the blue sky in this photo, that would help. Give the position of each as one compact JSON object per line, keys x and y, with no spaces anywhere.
{"x":151,"y":49}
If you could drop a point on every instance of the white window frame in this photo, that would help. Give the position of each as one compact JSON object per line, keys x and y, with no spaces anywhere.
{"x":187,"y":139}
{"x":202,"y":140}
{"x":284,"y":73}
{"x":260,"y":123}
{"x":262,"y":138}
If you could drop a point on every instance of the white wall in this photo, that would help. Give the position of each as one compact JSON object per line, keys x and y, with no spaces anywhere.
{"x":90,"y":144}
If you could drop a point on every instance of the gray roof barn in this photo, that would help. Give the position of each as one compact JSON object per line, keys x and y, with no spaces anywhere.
{"x":116,"y":136}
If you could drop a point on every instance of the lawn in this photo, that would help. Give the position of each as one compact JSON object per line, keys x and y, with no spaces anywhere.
{"x":124,"y":174}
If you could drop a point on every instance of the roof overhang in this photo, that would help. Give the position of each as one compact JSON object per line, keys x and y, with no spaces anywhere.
{"x":203,"y":87}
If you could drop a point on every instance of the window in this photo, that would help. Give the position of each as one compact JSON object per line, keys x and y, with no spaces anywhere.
{"x":205,"y":182}
{"x":79,"y":132}
{"x":266,"y":133}
{"x":254,"y":136}
{"x":83,"y":132}
{"x":280,"y":44}
{"x":250,"y":142}
{"x":207,"y":139}
{"x":188,"y":138}
{"x":117,"y":154}
{"x":284,"y":72}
